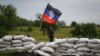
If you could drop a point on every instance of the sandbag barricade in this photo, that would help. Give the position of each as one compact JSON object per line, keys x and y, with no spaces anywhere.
{"x":60,"y":47}
{"x":16,"y":43}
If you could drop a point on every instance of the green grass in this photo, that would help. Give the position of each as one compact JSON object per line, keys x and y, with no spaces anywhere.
{"x":98,"y":32}
{"x":38,"y":35}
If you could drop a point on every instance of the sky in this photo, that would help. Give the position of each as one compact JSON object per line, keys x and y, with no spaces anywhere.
{"x":81,"y":11}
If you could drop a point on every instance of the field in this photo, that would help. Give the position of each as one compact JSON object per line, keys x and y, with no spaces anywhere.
{"x":38,"y":35}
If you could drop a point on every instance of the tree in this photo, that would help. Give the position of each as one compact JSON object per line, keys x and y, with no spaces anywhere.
{"x":89,"y":30}
{"x":85,"y":30}
{"x":9,"y":12}
{"x":76,"y":31}
{"x":61,"y":24}
{"x":73,"y":24}
{"x":7,"y":18}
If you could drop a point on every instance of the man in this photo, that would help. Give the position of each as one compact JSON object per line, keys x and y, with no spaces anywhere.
{"x":50,"y":18}
{"x":49,"y":29}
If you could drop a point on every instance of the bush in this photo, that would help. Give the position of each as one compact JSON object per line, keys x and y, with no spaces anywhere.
{"x":3,"y":31}
{"x":85,"y":30}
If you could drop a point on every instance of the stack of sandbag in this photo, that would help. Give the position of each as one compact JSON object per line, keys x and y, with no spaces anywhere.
{"x":16,"y":43}
{"x":42,"y":50}
{"x":5,"y":42}
{"x":28,"y":42}
{"x":94,"y":45}
{"x":67,"y":46}
{"x":60,"y":47}
{"x":81,"y":46}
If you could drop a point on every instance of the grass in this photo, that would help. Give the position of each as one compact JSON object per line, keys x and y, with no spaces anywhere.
{"x":38,"y":35}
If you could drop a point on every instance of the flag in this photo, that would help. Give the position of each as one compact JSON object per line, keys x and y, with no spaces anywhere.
{"x":51,"y":15}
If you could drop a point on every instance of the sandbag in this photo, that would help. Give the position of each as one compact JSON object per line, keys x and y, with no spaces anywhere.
{"x":4,"y":42}
{"x":94,"y":41}
{"x":16,"y":45}
{"x":80,"y":45}
{"x":27,"y":43}
{"x":81,"y":53}
{"x":52,"y":44}
{"x":7,"y":38}
{"x":4,"y":45}
{"x":20,"y":49}
{"x":18,"y":37}
{"x":61,"y":51}
{"x":47,"y":49}
{"x":2,"y":49}
{"x":59,"y":41}
{"x":71,"y":51}
{"x":41,"y":53}
{"x":67,"y":45}
{"x":83,"y":49}
{"x":29,"y":46}
{"x":28,"y":39}
{"x":72,"y":40}
{"x":37,"y":47}
{"x":17,"y":42}
{"x":61,"y":48}
{"x":94,"y":50}
{"x":11,"y":49}
{"x":89,"y":45}
{"x":83,"y":40}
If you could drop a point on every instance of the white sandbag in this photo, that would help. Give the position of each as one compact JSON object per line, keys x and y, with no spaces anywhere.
{"x":47,"y":49}
{"x":37,"y":47}
{"x":18,"y":37}
{"x":67,"y":45}
{"x":4,"y":42}
{"x":83,"y":49}
{"x":17,"y":42}
{"x":61,"y":48}
{"x":4,"y":45}
{"x":59,"y":41}
{"x":80,"y":45}
{"x":89,"y":45}
{"x":94,"y":50}
{"x":72,"y":40}
{"x":71,"y":51}
{"x":27,"y":43}
{"x":28,"y":39}
{"x":30,"y":46}
{"x":11,"y":49}
{"x":16,"y":45}
{"x":52,"y":44}
{"x":2,"y":49}
{"x":83,"y":40}
{"x":81,"y":53}
{"x":20,"y":49}
{"x":7,"y":38}
{"x":41,"y":53}
{"x":94,"y":41}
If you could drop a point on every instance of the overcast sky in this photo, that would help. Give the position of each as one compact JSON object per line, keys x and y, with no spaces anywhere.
{"x":72,"y":10}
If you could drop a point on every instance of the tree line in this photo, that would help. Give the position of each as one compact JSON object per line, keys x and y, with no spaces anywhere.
{"x":9,"y":19}
{"x":88,"y":30}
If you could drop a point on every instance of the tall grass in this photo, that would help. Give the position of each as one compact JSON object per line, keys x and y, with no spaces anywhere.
{"x":38,"y":35}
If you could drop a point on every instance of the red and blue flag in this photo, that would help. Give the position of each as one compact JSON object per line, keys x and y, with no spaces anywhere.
{"x":51,"y":15}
